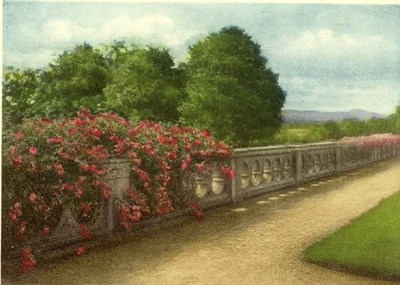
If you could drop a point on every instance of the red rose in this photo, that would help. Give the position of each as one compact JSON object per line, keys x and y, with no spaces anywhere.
{"x":19,"y":136}
{"x":32,"y":198}
{"x":33,"y":151}
{"x":59,"y":168}
{"x":81,"y":250}
{"x":46,"y":230}
{"x":106,"y":194}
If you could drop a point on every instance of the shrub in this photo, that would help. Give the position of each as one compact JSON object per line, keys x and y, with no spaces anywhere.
{"x":50,"y":165}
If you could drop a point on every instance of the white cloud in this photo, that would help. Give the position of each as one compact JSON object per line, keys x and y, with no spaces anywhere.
{"x":143,"y":27}
{"x":326,"y":44}
{"x":152,"y":28}
{"x":62,"y":34}
{"x":64,"y":30}
{"x":311,"y":94}
{"x":35,"y":59}
{"x":323,"y":53}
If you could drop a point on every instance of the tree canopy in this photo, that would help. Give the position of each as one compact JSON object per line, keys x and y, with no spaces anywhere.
{"x":231,"y":90}
{"x":19,"y":90}
{"x":74,"y":81}
{"x":145,"y":84}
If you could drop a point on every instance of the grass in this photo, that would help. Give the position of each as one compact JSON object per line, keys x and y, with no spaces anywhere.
{"x":368,"y":246}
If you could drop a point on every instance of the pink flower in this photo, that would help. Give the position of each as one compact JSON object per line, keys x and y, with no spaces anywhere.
{"x":27,"y":260}
{"x":19,"y":136}
{"x":13,"y":150}
{"x":59,"y":168}
{"x":17,"y":161}
{"x":22,"y":230}
{"x":32,"y":198}
{"x":72,"y":132}
{"x":172,"y":155}
{"x":55,"y":140}
{"x":197,"y":212}
{"x":92,"y":168}
{"x":43,"y":209}
{"x":197,"y":142}
{"x":78,"y":122}
{"x":188,"y":146}
{"x":98,"y":152}
{"x":228,"y":172}
{"x":201,"y":167}
{"x":205,"y":134}
{"x":81,"y":250}
{"x":148,"y":148}
{"x":47,"y":120}
{"x":97,"y":132}
{"x":85,"y":232}
{"x":46,"y":231}
{"x":186,"y":162}
{"x":33,"y":151}
{"x":85,"y":209}
{"x":84,"y":113}
{"x":106,"y":194}
{"x":78,"y":191}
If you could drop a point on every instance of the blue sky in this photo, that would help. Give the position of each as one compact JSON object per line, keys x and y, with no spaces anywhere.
{"x":329,"y":57}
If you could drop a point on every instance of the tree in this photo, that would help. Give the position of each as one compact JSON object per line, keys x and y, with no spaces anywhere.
{"x":352,"y":127}
{"x":377,"y":126}
{"x":394,"y":121}
{"x":145,"y":84}
{"x":76,"y":80}
{"x":231,"y":90}
{"x":19,"y":89}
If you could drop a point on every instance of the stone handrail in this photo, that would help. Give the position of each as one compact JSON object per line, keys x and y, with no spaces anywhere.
{"x":266,"y":169}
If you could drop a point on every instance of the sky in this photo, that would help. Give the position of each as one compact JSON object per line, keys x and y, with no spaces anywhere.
{"x":328,"y":57}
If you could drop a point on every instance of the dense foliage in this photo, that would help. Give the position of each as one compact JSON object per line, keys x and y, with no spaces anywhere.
{"x":136,"y":82}
{"x":19,"y":89}
{"x":231,"y":90}
{"x":52,"y":165}
{"x":316,"y":132}
{"x":226,"y":86}
{"x":144,"y":83}
{"x":74,"y":81}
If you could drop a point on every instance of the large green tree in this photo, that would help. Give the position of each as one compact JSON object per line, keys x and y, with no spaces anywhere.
{"x":232,"y":91}
{"x":145,"y":84}
{"x":75,"y":80}
{"x":19,"y":89}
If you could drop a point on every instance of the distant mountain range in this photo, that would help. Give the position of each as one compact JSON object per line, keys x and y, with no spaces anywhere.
{"x":296,"y":116}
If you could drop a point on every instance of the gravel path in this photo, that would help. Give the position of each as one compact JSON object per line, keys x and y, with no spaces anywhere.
{"x":260,"y":241}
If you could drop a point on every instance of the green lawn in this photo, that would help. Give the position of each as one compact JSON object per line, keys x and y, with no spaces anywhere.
{"x":369,"y":246}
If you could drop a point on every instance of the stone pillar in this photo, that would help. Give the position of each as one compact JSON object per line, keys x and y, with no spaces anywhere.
{"x":299,"y":164}
{"x":118,"y":179}
{"x":236,"y":191}
{"x":338,"y":160}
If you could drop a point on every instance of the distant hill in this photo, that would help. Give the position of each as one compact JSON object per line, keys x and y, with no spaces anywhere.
{"x":296,"y":116}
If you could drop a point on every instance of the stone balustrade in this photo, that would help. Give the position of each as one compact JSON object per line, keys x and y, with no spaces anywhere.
{"x":258,"y":170}
{"x":267,"y":169}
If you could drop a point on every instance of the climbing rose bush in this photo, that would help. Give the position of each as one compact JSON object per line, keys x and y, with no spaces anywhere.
{"x":50,"y":165}
{"x":377,"y":140}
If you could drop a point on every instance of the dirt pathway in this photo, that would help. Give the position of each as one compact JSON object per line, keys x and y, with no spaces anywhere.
{"x":260,"y":241}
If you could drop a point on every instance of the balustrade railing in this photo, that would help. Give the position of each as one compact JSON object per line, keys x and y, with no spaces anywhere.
{"x":258,"y":170}
{"x":267,"y":169}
